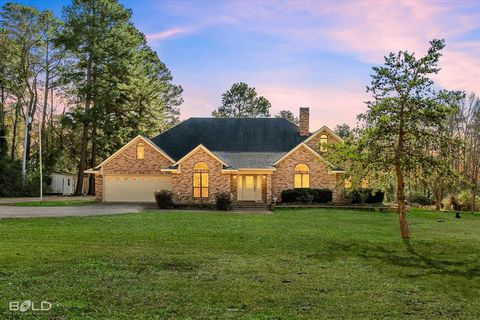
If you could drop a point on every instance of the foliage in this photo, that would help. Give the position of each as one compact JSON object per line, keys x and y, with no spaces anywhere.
{"x":358,"y":196}
{"x":464,"y":199}
{"x":223,"y":201}
{"x":289,"y":115}
{"x":420,"y":199}
{"x":306,"y":195}
{"x":164,"y":199}
{"x":403,"y":129}
{"x":241,"y":101}
{"x":10,"y":182}
{"x":343,"y":131}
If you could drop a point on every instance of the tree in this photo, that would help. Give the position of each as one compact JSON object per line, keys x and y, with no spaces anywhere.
{"x":343,"y":130}
{"x":241,"y":101}
{"x":22,"y":25}
{"x":287,"y":114}
{"x":403,"y":124}
{"x":467,"y":126}
{"x":121,"y":87}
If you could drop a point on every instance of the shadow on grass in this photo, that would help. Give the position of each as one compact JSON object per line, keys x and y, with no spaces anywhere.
{"x":414,"y":260}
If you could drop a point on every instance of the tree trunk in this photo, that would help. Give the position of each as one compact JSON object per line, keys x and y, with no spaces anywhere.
{"x":474,"y":193}
{"x":14,"y":136}
{"x":45,"y":97}
{"x":83,"y":148}
{"x":25,"y":147}
{"x":402,"y":214}
{"x":93,"y":163}
{"x":438,"y":198}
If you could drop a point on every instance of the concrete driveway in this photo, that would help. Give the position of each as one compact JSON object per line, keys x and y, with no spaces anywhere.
{"x":78,"y":211}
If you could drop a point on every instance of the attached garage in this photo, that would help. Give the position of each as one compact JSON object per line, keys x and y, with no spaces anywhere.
{"x":134,"y":188}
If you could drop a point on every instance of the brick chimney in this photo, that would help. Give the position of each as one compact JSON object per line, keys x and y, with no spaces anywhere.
{"x":304,"y":129}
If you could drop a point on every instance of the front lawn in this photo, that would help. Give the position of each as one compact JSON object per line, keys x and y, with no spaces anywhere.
{"x":64,"y":203}
{"x":311,"y":264}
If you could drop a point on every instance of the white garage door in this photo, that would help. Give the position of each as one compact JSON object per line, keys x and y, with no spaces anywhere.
{"x":134,"y":188}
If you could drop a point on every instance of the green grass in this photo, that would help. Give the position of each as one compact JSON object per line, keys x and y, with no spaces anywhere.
{"x":310,"y":264}
{"x":66,"y":203}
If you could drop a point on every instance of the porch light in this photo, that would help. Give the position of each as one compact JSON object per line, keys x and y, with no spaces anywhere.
{"x":234,"y":177}
{"x":264,"y":176}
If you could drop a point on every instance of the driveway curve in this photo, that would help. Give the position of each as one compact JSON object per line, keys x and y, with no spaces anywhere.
{"x":74,"y":211}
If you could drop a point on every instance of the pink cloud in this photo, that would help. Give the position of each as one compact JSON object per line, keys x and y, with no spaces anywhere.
{"x":369,"y":30}
{"x":166,"y":34}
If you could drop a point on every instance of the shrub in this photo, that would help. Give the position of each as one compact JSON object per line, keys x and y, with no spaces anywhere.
{"x":358,"y":196}
{"x":464,"y":199}
{"x":164,"y":199}
{"x":420,"y":199}
{"x":307,"y":195}
{"x":223,"y":201}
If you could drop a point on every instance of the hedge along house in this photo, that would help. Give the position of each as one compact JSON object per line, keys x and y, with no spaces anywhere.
{"x":255,"y":159}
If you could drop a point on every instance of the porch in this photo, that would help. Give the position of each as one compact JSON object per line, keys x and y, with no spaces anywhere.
{"x":251,"y":189}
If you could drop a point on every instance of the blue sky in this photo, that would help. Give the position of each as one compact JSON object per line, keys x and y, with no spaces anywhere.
{"x":301,"y":53}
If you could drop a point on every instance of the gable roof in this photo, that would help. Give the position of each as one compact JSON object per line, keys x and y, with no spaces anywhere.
{"x":267,"y":135}
{"x":322,"y":129}
{"x":148,"y":141}
{"x":201,"y":147}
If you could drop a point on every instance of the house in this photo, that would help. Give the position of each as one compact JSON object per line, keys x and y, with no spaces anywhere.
{"x":64,"y":184}
{"x":255,"y":159}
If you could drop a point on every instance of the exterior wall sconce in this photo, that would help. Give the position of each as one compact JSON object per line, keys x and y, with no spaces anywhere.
{"x":264,"y":176}
{"x":234,"y":177}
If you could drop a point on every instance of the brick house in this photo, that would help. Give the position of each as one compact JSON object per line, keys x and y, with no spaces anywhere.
{"x":255,"y":159}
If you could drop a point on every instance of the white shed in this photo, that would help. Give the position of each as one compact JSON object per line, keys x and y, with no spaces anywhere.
{"x":65,"y":183}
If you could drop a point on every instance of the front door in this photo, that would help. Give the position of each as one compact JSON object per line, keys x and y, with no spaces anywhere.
{"x":249,"y":188}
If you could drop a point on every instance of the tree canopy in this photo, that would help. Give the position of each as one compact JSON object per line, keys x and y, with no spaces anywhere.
{"x":289,"y":115}
{"x":242,"y":101}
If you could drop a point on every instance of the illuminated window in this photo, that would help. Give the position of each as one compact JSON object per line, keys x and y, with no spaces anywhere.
{"x":348,"y":183}
{"x":323,"y":142}
{"x":365,"y":183}
{"x":302,"y":176}
{"x":140,"y":151}
{"x":200,"y":180}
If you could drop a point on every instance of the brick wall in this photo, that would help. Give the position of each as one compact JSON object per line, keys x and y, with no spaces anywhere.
{"x":99,"y":187}
{"x":315,"y":142}
{"x":283,"y":177}
{"x":182,"y":183}
{"x":126,"y":162}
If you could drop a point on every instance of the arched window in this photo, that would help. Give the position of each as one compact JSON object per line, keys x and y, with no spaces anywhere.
{"x":323,"y":143}
{"x":302,"y":176}
{"x":140,"y":151}
{"x":200,"y":180}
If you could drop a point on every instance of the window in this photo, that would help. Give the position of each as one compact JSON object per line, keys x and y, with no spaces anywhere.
{"x":200,"y":180}
{"x":302,"y":176}
{"x":348,"y":183}
{"x":323,"y":143}
{"x":140,"y":151}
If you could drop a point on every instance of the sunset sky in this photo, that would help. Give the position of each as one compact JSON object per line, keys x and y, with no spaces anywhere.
{"x":301,"y":53}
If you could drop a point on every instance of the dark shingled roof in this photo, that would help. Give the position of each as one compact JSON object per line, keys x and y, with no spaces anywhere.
{"x":253,"y":160}
{"x":237,"y":135}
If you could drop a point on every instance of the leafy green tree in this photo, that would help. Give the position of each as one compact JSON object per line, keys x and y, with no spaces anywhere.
{"x":22,"y":26}
{"x":122,"y":87}
{"x":343,"y":130}
{"x":403,"y":124}
{"x":242,"y":101}
{"x":289,"y":115}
